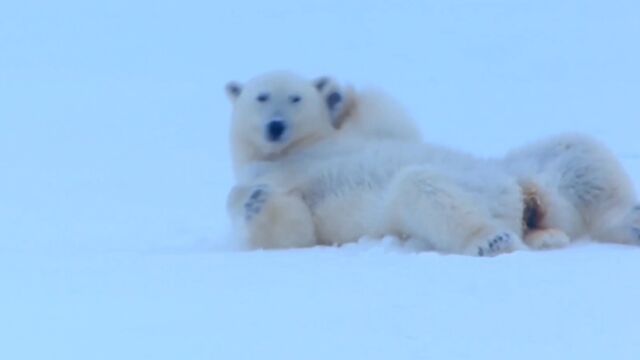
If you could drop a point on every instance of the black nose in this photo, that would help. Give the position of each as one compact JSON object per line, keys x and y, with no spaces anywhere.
{"x":275,"y":129}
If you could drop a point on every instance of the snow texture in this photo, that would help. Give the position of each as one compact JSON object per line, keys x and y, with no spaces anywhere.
{"x":114,"y":240}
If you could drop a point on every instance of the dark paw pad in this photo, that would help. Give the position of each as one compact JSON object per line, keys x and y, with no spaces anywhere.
{"x":256,"y":201}
{"x":496,"y":245}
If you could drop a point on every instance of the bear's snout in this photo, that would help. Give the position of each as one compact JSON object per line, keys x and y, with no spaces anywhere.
{"x":275,"y":129}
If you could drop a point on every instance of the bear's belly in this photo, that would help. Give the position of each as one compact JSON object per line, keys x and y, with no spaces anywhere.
{"x":347,"y":202}
{"x":347,"y":217}
{"x":347,"y":193}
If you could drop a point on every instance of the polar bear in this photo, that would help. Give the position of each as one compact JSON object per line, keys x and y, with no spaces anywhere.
{"x":314,"y":185}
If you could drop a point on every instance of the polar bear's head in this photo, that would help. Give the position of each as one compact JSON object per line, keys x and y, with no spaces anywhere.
{"x":279,"y":112}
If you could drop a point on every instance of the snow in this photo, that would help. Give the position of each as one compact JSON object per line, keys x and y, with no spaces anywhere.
{"x":363,"y":301}
{"x":113,"y":142}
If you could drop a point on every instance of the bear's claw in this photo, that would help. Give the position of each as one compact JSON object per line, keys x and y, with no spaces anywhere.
{"x":256,"y":201}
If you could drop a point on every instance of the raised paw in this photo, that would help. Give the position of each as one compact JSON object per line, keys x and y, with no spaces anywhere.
{"x":338,"y":99}
{"x":500,"y":243}
{"x":255,"y":202}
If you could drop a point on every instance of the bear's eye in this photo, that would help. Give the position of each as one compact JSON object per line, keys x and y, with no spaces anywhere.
{"x":295,"y":99}
{"x":264,"y":97}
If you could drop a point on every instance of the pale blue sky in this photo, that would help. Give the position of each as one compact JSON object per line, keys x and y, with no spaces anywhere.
{"x":113,"y":123}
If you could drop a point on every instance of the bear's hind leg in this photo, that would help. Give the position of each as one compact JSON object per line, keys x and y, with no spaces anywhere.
{"x":429,"y":207}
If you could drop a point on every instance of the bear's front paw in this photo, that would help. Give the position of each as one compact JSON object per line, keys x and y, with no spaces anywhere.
{"x":257,"y":198}
{"x":498,"y":244}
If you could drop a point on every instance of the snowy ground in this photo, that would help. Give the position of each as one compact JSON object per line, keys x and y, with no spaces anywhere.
{"x":113,"y":236}
{"x":360,"y":302}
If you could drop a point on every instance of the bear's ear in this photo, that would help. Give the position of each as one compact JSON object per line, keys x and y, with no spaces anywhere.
{"x":321,"y":82}
{"x":233,"y":90}
{"x":337,"y":99}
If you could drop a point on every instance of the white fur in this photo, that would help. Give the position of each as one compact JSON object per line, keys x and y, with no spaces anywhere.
{"x":282,"y":220}
{"x":349,"y":186}
{"x":356,"y":189}
{"x":584,"y":190}
{"x":581,"y":187}
{"x":359,"y":170}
